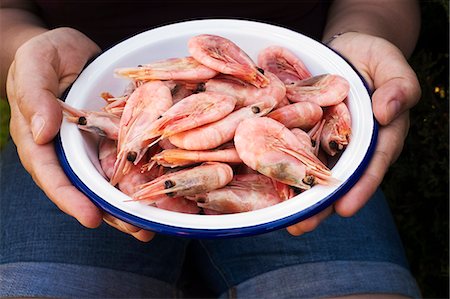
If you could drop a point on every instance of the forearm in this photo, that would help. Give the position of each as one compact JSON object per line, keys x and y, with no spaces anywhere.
{"x":17,"y":25}
{"x":397,"y":21}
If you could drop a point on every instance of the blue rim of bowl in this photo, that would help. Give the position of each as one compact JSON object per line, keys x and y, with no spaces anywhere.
{"x":228,"y":232}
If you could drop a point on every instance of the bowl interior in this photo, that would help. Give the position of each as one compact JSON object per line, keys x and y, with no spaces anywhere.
{"x":80,"y":149}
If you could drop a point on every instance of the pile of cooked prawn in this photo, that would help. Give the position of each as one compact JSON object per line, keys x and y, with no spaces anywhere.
{"x":216,"y":133}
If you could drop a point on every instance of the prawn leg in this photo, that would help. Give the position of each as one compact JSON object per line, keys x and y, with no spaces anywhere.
{"x":324,"y":90}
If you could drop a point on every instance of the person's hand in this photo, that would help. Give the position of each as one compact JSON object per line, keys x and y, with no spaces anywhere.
{"x":396,"y":90}
{"x":42,"y":69}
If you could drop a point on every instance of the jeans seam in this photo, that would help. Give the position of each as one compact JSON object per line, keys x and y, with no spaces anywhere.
{"x":230,"y":290}
{"x":177,"y":292}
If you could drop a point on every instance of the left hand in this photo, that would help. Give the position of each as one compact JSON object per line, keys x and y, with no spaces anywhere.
{"x":396,"y":90}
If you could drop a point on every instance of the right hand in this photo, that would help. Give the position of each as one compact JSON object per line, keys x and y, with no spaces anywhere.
{"x":42,"y":69}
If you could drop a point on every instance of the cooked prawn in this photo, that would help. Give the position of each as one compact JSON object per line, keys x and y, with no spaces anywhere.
{"x":284,"y":64}
{"x":191,"y":112}
{"x":304,"y":138}
{"x":244,"y":193}
{"x":219,"y":132}
{"x":186,"y":68}
{"x":199,"y":179}
{"x":226,"y":57}
{"x":324,"y":90}
{"x":245,"y":93}
{"x":107,"y":152}
{"x":136,"y":176}
{"x":101,"y":123}
{"x":144,"y":106}
{"x":177,"y":204}
{"x":303,"y":115}
{"x":180,"y":157}
{"x":180,"y":89}
{"x":270,"y":148}
{"x":336,"y":130}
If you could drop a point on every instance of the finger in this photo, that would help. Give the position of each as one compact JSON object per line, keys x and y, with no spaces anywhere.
{"x":49,"y":176}
{"x":137,"y":232}
{"x":397,"y":88}
{"x":311,"y":223}
{"x":385,"y":154}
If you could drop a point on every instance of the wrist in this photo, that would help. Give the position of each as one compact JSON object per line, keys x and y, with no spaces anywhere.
{"x":329,"y":40}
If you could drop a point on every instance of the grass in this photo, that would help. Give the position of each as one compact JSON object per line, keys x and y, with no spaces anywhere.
{"x":417,"y":184}
{"x":4,"y":122}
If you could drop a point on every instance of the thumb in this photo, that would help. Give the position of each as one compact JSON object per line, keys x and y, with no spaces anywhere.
{"x":34,"y":89}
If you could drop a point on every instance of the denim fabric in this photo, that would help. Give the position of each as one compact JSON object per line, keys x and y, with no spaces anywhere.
{"x":33,"y":229}
{"x":38,"y":242}
{"x":368,"y":236}
{"x":328,"y":279}
{"x":37,"y":279}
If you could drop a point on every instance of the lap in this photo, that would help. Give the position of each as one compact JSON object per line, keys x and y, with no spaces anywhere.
{"x":36,"y":234}
{"x":367,"y":241}
{"x":34,"y":230}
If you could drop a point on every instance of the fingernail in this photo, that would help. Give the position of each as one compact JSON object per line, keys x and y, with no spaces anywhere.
{"x":37,"y":125}
{"x":393,"y":108}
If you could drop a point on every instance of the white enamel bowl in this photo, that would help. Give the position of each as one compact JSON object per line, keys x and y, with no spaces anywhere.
{"x":78,"y":150}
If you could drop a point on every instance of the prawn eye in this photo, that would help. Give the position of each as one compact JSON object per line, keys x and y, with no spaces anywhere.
{"x":168,"y":184}
{"x":200,"y":88}
{"x":255,"y":109}
{"x":333,"y":145}
{"x":313,"y":142}
{"x":260,"y":70}
{"x":309,"y":180}
{"x":131,"y":156}
{"x":82,"y":121}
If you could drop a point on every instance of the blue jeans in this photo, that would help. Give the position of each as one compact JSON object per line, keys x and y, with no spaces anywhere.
{"x":47,"y":253}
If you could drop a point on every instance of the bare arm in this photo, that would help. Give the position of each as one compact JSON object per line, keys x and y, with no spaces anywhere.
{"x":397,"y":21}
{"x":18,"y":23}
